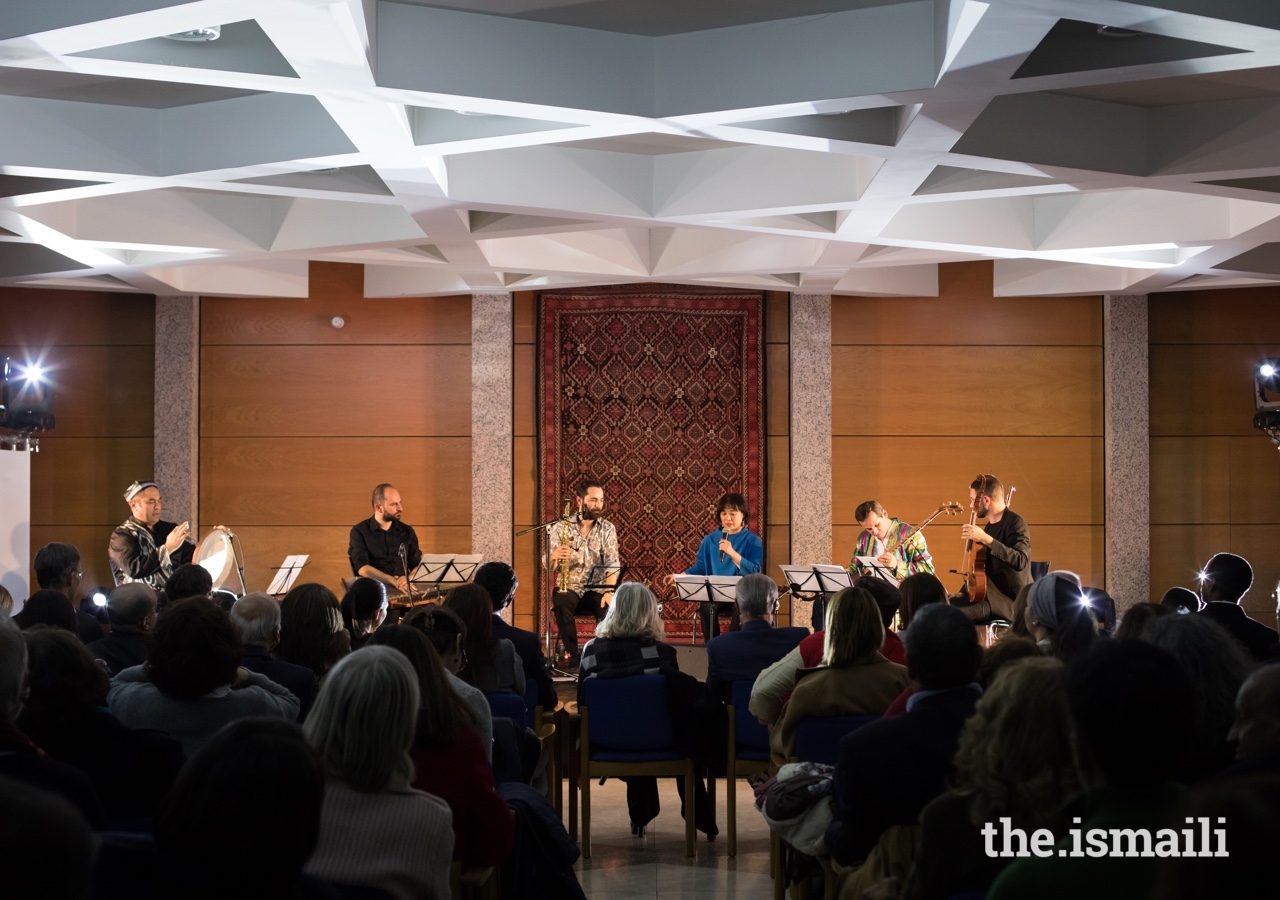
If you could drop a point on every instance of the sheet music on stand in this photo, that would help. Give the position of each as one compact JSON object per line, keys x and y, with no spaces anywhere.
{"x":451,"y":569}
{"x":604,"y":578}
{"x":821,"y":578}
{"x":287,"y":573}
{"x":707,"y":588}
{"x":869,"y":565}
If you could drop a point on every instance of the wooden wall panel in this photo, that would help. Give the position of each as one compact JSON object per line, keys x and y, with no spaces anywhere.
{"x":81,"y":481}
{"x":910,"y":390}
{"x":285,"y":481}
{"x":1059,"y":480}
{"x":1204,"y":389}
{"x":965,"y":314}
{"x":1215,"y":480}
{"x":100,"y":351}
{"x":524,"y":490}
{"x":777,"y":317}
{"x":309,"y":391}
{"x":777,"y":389}
{"x":524,"y":422}
{"x":778,"y":467}
{"x":266,"y":547}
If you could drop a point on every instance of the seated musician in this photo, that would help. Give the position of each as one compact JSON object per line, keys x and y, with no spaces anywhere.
{"x":374,"y":547}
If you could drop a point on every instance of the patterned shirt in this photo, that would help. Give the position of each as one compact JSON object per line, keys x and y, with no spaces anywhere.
{"x":137,"y":553}
{"x":911,"y":558}
{"x":598,"y":547}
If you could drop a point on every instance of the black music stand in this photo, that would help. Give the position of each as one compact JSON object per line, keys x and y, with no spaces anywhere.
{"x":286,"y":574}
{"x":871,"y":565}
{"x":450,"y":569}
{"x":821,"y":579}
{"x":544,"y":529}
{"x":702,"y":589}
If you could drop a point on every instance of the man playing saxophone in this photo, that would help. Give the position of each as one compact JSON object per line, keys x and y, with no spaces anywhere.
{"x":592,"y":546}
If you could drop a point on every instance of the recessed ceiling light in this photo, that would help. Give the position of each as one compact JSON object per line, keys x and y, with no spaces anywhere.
{"x":1114,"y":31}
{"x":197,"y":35}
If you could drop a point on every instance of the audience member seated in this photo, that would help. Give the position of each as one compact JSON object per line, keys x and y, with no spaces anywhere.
{"x":1217,"y":666}
{"x":57,"y":568}
{"x":1058,"y":617}
{"x":65,"y":716}
{"x":1018,"y":625}
{"x":257,"y":617}
{"x":132,"y":611}
{"x":1138,"y":618}
{"x":448,"y":757}
{"x":1180,"y":600}
{"x":49,"y":608}
{"x":311,"y":630}
{"x":192,"y":683}
{"x":854,"y":679}
{"x":48,"y":845}
{"x":774,"y":685}
{"x":1004,"y":651}
{"x":490,"y":664}
{"x":888,"y":599}
{"x":629,"y":642}
{"x":241,"y":820}
{"x":6,"y":602}
{"x":1013,"y":760}
{"x":742,"y":655}
{"x":189,"y":581}
{"x":943,"y":655}
{"x":19,"y":757}
{"x":1131,"y":715}
{"x":446,"y":633}
{"x":364,"y":608}
{"x":499,"y":579}
{"x":1226,"y":580}
{"x":376,"y":831}
{"x":919,"y":590}
{"x":1256,"y":729}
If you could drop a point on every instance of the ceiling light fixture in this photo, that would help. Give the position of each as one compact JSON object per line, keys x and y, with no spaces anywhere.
{"x":197,"y":35}
{"x":1115,"y":31}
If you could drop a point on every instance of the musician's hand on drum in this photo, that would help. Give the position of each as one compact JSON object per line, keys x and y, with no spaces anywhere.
{"x":606,"y":599}
{"x":222,"y":528}
{"x":564,"y":551}
{"x":177,"y":536}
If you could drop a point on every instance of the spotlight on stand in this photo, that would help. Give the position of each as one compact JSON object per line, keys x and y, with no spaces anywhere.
{"x":26,"y":404}
{"x":1266,"y":399}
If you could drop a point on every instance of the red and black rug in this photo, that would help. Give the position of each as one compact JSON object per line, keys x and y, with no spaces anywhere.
{"x":656,"y":391}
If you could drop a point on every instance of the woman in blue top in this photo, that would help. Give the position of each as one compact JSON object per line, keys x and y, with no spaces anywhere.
{"x":732,"y":550}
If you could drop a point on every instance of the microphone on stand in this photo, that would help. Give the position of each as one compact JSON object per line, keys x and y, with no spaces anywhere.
{"x":722,"y":538}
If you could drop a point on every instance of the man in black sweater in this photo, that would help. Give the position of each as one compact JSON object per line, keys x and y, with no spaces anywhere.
{"x":1008,"y":544}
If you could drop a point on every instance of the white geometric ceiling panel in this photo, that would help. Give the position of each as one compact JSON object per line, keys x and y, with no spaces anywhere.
{"x":480,"y":145}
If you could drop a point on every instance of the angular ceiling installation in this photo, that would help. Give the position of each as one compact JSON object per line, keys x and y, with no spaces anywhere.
{"x":847,"y":146}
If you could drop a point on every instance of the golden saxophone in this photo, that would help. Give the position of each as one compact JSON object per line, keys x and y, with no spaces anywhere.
{"x":566,"y":538}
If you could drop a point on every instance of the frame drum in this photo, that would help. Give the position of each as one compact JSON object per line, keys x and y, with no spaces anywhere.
{"x":216,"y":556}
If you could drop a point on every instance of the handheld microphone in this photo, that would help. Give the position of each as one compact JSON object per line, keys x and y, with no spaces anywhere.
{"x":722,"y":537}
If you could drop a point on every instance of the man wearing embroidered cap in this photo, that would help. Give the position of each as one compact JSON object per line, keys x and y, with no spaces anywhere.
{"x":146,"y":548}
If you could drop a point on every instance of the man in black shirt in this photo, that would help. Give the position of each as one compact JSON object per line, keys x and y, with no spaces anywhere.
{"x":374,"y":547}
{"x":1008,"y":543}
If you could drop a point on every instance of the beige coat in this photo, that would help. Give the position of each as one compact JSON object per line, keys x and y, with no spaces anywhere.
{"x":862,"y":689}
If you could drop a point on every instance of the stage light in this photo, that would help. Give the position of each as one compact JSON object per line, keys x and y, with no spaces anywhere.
{"x":1266,"y":370}
{"x":33,"y":374}
{"x":26,"y":398}
{"x":1202,"y":576}
{"x":99,"y":598}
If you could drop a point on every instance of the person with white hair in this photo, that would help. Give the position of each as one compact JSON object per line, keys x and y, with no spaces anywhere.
{"x":257,"y":617}
{"x":375,"y":830}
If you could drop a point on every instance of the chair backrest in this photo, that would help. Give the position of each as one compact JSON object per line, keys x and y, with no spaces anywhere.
{"x":628,"y":713}
{"x":818,"y":738}
{"x":1039,"y":569}
{"x":507,"y":706}
{"x":748,"y":733}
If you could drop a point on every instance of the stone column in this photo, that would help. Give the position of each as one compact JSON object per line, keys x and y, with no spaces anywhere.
{"x":810,"y":352}
{"x":492,"y":427}
{"x":177,"y":408}
{"x":1126,"y":448}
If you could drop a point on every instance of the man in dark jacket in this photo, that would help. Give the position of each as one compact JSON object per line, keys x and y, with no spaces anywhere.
{"x":257,"y":616}
{"x":742,"y":655}
{"x":131,"y":609}
{"x":1223,"y":584}
{"x":499,"y":579}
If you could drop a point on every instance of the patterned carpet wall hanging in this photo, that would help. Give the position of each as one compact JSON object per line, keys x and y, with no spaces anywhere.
{"x":656,"y":391}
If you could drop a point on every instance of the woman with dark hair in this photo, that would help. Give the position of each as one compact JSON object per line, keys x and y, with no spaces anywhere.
{"x":47,"y":608}
{"x":65,"y":715}
{"x":448,"y":755}
{"x":446,"y":632}
{"x":1058,"y":615}
{"x":919,"y":590}
{"x":492,"y":665}
{"x":364,"y":608}
{"x":376,"y":830}
{"x":732,"y":549}
{"x":854,"y":678}
{"x":192,"y":683}
{"x":311,"y":631}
